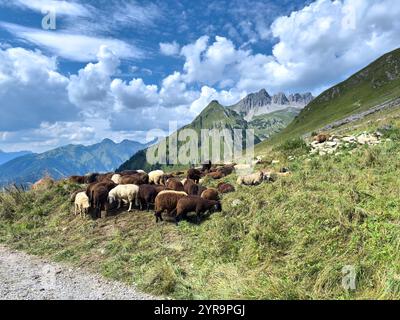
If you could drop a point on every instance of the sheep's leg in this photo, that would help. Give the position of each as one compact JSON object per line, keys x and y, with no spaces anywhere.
{"x":130,"y":206}
{"x":76,"y":212}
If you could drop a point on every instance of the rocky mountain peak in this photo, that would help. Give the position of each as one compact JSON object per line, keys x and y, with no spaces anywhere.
{"x":280,"y":98}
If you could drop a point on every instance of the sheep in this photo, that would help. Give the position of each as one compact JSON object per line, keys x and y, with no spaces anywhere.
{"x":225,"y":188}
{"x":128,"y":192}
{"x":77,"y":179}
{"x":226,"y":170}
{"x":196,"y":204}
{"x":73,"y":195}
{"x":81,"y":204}
{"x":156,"y":177}
{"x":116,"y":178}
{"x":91,"y":178}
{"x":216,"y":175}
{"x":138,"y":179}
{"x":194,"y":175}
{"x":100,"y":200}
{"x":147,"y":195}
{"x":210,"y":194}
{"x":174,"y":184}
{"x":127,"y":173}
{"x":322,"y":137}
{"x":251,"y":179}
{"x":104,"y":177}
{"x":167,"y":201}
{"x":109,"y":185}
{"x":187,"y":185}
{"x":141,"y":171}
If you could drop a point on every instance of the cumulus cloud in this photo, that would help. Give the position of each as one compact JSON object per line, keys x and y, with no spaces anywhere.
{"x":91,"y":86}
{"x":31,"y":90}
{"x":170,"y":49}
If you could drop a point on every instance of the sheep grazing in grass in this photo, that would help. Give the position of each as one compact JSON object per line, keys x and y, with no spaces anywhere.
{"x":195,"y":204}
{"x":138,"y":179}
{"x":210,"y":194}
{"x":225,"y":188}
{"x":216,"y":175}
{"x":206,"y":166}
{"x":147,"y":195}
{"x":82,"y":204}
{"x":167,"y":201}
{"x":194,"y":175}
{"x":77,"y":179}
{"x":251,"y":179}
{"x":174,"y":184}
{"x":226,"y":170}
{"x":100,"y":200}
{"x":116,"y":178}
{"x":109,"y":185}
{"x":187,"y":184}
{"x":128,"y":192}
{"x":156,"y":177}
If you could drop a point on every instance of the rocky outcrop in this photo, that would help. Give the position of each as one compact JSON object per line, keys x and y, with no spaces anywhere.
{"x":262,"y":102}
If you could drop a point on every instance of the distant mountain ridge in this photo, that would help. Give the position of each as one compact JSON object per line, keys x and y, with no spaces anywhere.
{"x":8,"y":156}
{"x":260,"y":103}
{"x":69,"y":160}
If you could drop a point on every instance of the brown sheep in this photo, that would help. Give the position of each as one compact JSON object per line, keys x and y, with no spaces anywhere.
{"x":194,"y":175}
{"x":77,"y":179}
{"x":226,"y":170}
{"x":216,"y":175}
{"x":210,"y":194}
{"x":225,"y":188}
{"x":147,"y":195}
{"x":195,"y":204}
{"x":91,"y":177}
{"x":128,"y":173}
{"x":322,"y":137}
{"x":100,"y":200}
{"x":207,"y":166}
{"x":138,"y":179}
{"x":108,"y":184}
{"x":167,"y":201}
{"x":189,"y":183}
{"x":174,"y":184}
{"x":104,"y":177}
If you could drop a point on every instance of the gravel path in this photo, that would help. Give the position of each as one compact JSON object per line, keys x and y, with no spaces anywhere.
{"x":23,"y":277}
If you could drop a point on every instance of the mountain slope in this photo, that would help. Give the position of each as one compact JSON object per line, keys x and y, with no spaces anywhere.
{"x":377,"y":83}
{"x":214,"y":116}
{"x":68,"y":160}
{"x":260,"y":103}
{"x":8,"y":156}
{"x":269,"y":124}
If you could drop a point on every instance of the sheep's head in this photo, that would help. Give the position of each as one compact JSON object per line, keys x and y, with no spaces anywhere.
{"x":217,"y":207}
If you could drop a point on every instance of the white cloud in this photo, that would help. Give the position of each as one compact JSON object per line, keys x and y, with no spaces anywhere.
{"x":170,"y":49}
{"x":69,"y":8}
{"x":90,"y":88}
{"x":76,"y":47}
{"x":31,"y":90}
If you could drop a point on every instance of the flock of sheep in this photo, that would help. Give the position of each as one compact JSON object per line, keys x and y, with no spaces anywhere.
{"x":163,"y":192}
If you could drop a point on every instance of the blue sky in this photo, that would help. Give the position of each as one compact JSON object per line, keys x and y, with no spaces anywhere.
{"x":118,"y":69}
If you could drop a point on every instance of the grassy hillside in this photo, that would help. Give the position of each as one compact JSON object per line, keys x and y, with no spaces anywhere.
{"x":286,"y":240}
{"x":267,"y":125}
{"x":375,"y":84}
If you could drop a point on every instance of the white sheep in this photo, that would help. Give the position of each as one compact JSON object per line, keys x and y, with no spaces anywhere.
{"x":141,"y":171}
{"x":156,"y":177}
{"x":116,"y":178}
{"x":81,"y":204}
{"x":128,"y":193}
{"x":251,"y":179}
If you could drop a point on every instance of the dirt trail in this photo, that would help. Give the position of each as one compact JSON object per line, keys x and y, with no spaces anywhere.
{"x":26,"y":277}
